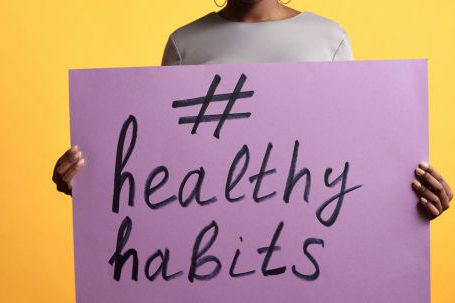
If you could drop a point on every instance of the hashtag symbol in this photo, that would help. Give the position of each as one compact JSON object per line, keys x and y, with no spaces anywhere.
{"x":231,"y":98}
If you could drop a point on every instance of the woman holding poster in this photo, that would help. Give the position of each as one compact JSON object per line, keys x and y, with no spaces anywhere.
{"x":259,"y":31}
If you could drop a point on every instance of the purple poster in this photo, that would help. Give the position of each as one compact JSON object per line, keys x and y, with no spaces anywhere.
{"x":251,"y":183}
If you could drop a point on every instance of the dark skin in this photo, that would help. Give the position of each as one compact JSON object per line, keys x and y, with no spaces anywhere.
{"x":433,"y":192}
{"x":256,"y":11}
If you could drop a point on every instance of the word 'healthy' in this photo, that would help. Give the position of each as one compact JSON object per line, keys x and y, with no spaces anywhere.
{"x":200,"y":260}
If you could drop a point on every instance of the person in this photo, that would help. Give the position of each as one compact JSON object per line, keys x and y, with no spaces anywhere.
{"x":259,"y":31}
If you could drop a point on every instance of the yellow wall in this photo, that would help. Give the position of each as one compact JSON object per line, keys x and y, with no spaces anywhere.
{"x":40,"y":40}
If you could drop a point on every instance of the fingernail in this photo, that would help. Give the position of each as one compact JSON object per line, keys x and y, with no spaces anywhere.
{"x":424,"y":165}
{"x":81,"y":162}
{"x":420,"y":172}
{"x":435,"y":212}
{"x":416,"y":183}
{"x":77,"y":155}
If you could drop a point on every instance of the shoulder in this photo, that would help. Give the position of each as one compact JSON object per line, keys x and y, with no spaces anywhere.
{"x":185,"y":36}
{"x":194,"y":28}
{"x":324,"y":26}
{"x":328,"y":33}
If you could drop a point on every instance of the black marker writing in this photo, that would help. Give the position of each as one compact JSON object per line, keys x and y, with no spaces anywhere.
{"x":196,"y":191}
{"x":260,"y":176}
{"x":149,"y":189}
{"x":293,"y":178}
{"x":211,"y":97}
{"x":198,"y":257}
{"x":315,"y":275}
{"x":269,"y":250}
{"x":119,"y":259}
{"x":162,"y":268}
{"x":234,"y":264}
{"x":120,"y":162}
{"x":243,"y":153}
{"x":339,"y":196}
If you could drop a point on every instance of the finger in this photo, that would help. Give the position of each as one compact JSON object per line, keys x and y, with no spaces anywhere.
{"x":431,"y":210}
{"x":69,"y":151}
{"x":62,"y":187}
{"x":68,"y":159}
{"x":434,"y":185}
{"x":71,"y":172}
{"x":423,"y":191}
{"x":425,"y":166}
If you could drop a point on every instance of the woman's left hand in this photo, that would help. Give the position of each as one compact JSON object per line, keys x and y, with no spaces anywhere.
{"x":434,"y":193}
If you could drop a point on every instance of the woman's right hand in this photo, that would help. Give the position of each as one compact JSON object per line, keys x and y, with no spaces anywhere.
{"x":69,"y":164}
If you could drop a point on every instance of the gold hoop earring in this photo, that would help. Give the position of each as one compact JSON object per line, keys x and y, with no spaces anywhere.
{"x":216,"y":3}
{"x":289,"y":1}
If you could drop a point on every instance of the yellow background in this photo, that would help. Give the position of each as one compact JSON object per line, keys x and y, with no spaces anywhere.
{"x":40,"y":40}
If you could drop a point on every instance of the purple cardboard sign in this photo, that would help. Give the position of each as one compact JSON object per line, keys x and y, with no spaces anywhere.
{"x":251,"y":183}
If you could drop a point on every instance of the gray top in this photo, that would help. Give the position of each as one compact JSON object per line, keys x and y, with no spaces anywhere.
{"x":214,"y":39}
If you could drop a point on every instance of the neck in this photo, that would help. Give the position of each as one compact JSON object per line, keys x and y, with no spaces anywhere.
{"x":256,"y":11}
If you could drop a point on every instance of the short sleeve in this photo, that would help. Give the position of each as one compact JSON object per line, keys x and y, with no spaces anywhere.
{"x":344,"y":51}
{"x":171,"y":54}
